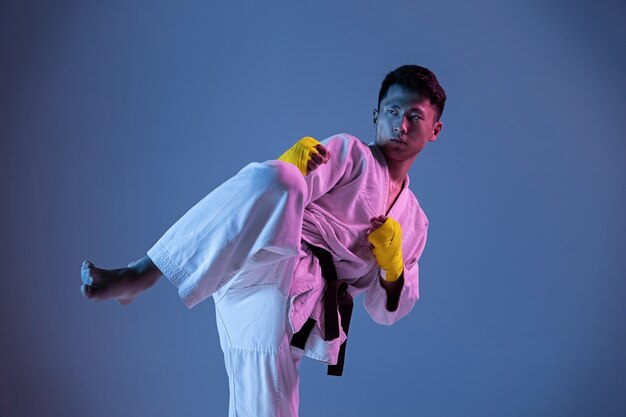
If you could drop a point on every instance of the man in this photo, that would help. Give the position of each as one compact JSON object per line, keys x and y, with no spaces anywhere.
{"x":285,"y":245}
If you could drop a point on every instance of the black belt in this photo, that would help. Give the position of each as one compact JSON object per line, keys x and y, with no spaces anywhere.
{"x":336,"y":298}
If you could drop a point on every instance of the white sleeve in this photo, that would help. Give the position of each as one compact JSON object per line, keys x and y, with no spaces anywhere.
{"x":346,"y":162}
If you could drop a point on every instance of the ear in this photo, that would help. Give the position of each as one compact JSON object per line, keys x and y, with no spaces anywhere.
{"x":436,"y":129}
{"x":375,"y":116}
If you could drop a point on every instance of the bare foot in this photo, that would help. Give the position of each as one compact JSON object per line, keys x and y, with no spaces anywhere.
{"x":123,"y":284}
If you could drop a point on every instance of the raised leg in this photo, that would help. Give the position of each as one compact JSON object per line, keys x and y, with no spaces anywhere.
{"x":252,"y":220}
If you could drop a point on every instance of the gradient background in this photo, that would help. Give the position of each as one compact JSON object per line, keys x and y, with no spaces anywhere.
{"x":116,"y":117}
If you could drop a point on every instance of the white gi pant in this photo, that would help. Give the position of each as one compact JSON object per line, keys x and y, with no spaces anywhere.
{"x":239,"y":244}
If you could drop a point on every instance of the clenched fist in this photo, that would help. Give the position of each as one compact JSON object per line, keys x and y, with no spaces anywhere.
{"x":386,"y":239}
{"x":307,"y":154}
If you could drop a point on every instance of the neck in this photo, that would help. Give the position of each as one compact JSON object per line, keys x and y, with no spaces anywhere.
{"x":397,"y":170}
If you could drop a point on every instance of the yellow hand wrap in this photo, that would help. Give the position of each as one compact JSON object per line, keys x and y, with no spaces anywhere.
{"x":387,"y":242}
{"x":300,"y":153}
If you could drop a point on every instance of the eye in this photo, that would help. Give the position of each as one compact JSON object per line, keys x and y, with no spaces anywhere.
{"x":392,"y":111}
{"x":415,"y":117}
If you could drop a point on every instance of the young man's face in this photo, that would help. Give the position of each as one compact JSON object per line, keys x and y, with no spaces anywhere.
{"x":404,"y":124}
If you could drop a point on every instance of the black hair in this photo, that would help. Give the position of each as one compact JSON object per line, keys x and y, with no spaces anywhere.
{"x":419,"y":80}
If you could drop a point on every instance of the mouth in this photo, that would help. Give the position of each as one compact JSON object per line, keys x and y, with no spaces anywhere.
{"x":398,"y":140}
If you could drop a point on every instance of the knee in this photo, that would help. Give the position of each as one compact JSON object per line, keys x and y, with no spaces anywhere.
{"x":287,"y":177}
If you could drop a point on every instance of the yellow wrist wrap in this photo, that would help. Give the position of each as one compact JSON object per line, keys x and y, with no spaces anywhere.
{"x":300,"y":153}
{"x":387,"y":242}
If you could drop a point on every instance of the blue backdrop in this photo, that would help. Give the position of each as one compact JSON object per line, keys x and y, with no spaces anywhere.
{"x":116,"y":117}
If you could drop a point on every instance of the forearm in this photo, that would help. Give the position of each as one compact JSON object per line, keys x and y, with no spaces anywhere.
{"x":393,"y":290}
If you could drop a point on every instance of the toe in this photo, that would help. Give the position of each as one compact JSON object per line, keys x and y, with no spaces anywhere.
{"x":91,"y":275}
{"x":85,"y":274}
{"x":88,"y":291}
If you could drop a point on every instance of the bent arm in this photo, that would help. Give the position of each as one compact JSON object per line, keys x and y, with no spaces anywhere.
{"x":336,"y":164}
{"x":387,"y":302}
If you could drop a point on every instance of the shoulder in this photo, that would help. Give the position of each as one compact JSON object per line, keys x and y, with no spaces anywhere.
{"x":345,"y":139}
{"x":346,"y":146}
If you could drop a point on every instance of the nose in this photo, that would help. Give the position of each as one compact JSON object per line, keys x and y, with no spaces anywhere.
{"x":402,"y":128}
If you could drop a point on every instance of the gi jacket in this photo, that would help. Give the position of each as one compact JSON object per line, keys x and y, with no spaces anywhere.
{"x":342,"y":196}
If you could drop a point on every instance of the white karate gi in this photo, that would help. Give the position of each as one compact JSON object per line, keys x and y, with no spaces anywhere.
{"x":243,"y":244}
